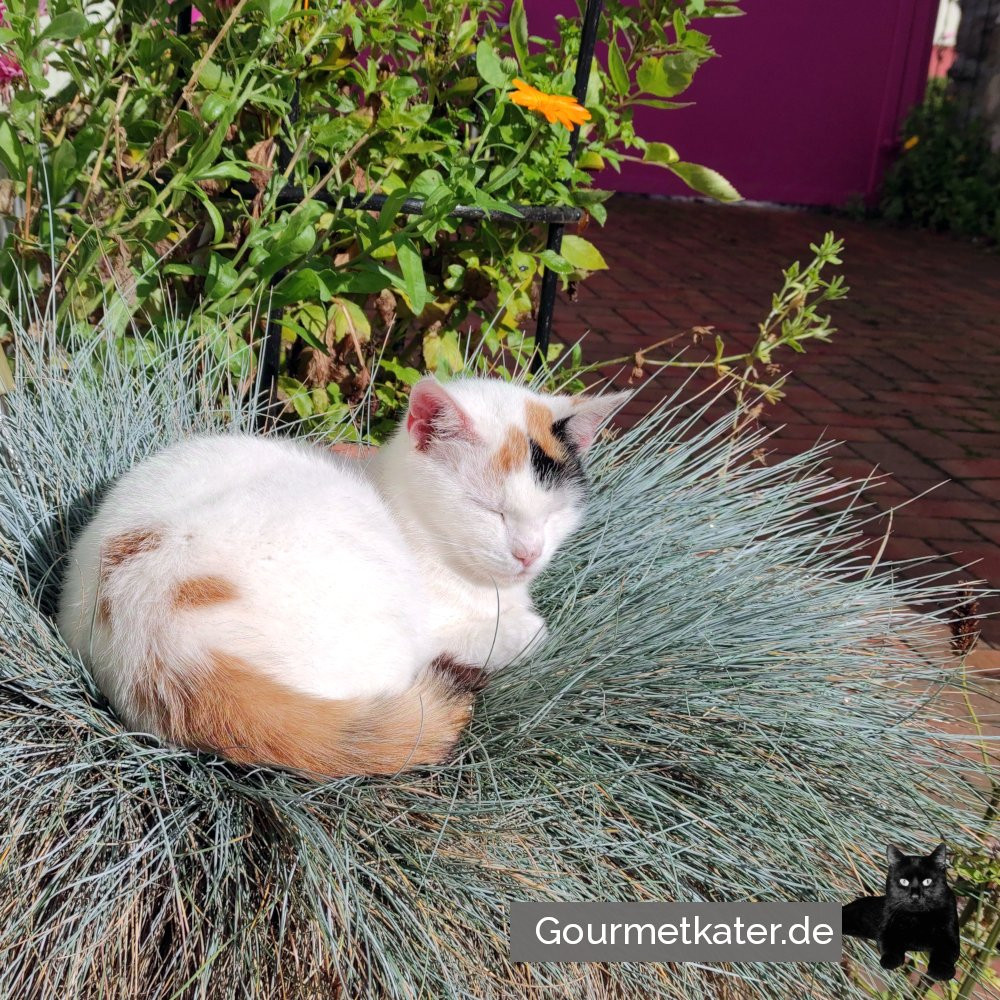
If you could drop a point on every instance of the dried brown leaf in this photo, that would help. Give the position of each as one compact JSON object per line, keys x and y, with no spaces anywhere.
{"x":261,"y":154}
{"x":384,"y":305}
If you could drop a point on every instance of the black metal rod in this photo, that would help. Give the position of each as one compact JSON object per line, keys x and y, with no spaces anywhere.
{"x":547,"y":298}
{"x":270,"y":363}
{"x":184,"y":20}
{"x":292,"y":195}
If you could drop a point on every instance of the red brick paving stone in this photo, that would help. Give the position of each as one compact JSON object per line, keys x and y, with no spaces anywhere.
{"x":958,"y":532}
{"x":969,"y":511}
{"x":896,"y":459}
{"x":928,"y":444}
{"x":839,"y":422}
{"x":976,"y":445}
{"x":989,"y":488}
{"x":973,"y":468}
{"x":990,"y":530}
{"x":909,"y":379}
{"x":899,"y":548}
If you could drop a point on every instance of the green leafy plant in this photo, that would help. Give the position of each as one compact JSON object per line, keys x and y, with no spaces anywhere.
{"x":150,"y":181}
{"x":946,"y":177}
{"x":795,"y":318}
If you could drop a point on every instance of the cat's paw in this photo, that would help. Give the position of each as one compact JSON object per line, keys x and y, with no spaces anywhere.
{"x":940,"y":971}
{"x":892,"y":960}
{"x":525,"y":633}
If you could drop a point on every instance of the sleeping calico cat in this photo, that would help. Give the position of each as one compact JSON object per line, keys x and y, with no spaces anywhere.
{"x":278,"y":604}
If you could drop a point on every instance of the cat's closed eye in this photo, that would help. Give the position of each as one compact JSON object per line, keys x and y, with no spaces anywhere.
{"x":490,"y":509}
{"x":904,"y":881}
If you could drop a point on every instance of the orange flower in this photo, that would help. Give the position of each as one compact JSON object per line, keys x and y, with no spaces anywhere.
{"x":911,"y":142}
{"x":555,"y":107}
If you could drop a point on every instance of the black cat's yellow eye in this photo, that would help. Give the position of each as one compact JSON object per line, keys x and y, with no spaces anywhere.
{"x":904,"y":881}
{"x":927,"y":881}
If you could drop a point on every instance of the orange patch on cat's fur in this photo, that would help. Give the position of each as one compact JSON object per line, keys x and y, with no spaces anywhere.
{"x":248,"y":716}
{"x":513,"y":453}
{"x":118,"y":549}
{"x":540,"y":421}
{"x":201,"y":591}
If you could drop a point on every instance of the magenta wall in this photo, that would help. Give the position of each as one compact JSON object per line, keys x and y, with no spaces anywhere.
{"x":804,"y":104}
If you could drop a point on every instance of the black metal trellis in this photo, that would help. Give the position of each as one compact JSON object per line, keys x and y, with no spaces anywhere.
{"x":554,"y":216}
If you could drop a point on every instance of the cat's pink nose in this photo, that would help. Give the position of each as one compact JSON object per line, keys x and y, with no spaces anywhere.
{"x":526,"y":555}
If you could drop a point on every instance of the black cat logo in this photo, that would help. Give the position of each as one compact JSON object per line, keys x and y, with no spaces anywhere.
{"x":917,"y":913}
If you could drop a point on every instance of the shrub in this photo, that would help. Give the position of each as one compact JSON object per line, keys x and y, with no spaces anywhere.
{"x":947,"y":177}
{"x":163,"y":157}
{"x":731,"y":705}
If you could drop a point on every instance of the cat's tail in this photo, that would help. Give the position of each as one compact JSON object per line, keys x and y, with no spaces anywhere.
{"x":239,"y":711}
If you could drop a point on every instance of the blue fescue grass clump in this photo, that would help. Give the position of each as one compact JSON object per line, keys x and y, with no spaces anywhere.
{"x":729,"y":707}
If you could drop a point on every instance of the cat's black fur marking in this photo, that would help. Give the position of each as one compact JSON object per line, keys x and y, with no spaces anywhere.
{"x":552,"y":473}
{"x":911,"y":917}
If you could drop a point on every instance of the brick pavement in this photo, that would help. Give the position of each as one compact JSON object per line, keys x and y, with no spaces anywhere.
{"x":910,"y":382}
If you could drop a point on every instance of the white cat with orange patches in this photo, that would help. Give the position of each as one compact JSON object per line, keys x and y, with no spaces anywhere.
{"x":281,"y":605}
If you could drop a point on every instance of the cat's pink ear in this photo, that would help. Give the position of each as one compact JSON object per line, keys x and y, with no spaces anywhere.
{"x":586,"y":415}
{"x":435,"y":416}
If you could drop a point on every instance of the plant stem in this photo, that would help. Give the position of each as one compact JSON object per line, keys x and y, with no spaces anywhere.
{"x":979,"y":962}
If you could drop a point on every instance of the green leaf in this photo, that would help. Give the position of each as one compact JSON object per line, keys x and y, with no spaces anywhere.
{"x":299,"y":240}
{"x":63,"y":170}
{"x":590,"y":160}
{"x":11,"y":151}
{"x":224,"y":171}
{"x":442,"y":353}
{"x":362,"y":282}
{"x":210,"y":76}
{"x":488,"y":65}
{"x":426,"y":183}
{"x":599,"y":212}
{"x":405,"y":374}
{"x":519,"y":33}
{"x":303,"y":331}
{"x":660,"y":152}
{"x":668,"y":76}
{"x":555,"y":262}
{"x":486,"y":201}
{"x":297,"y":394}
{"x":420,"y":146}
{"x":301,"y":284}
{"x":222,"y":277}
{"x":214,"y":215}
{"x":465,"y":88}
{"x":411,"y":265}
{"x":66,"y":26}
{"x":348,"y":318}
{"x":680,"y":26}
{"x":616,"y":68}
{"x":582,"y":254}
{"x":390,"y":209}
{"x":706,"y":181}
{"x":275,"y":10}
{"x":214,"y":106}
{"x":653,"y":102}
{"x":651,"y":77}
